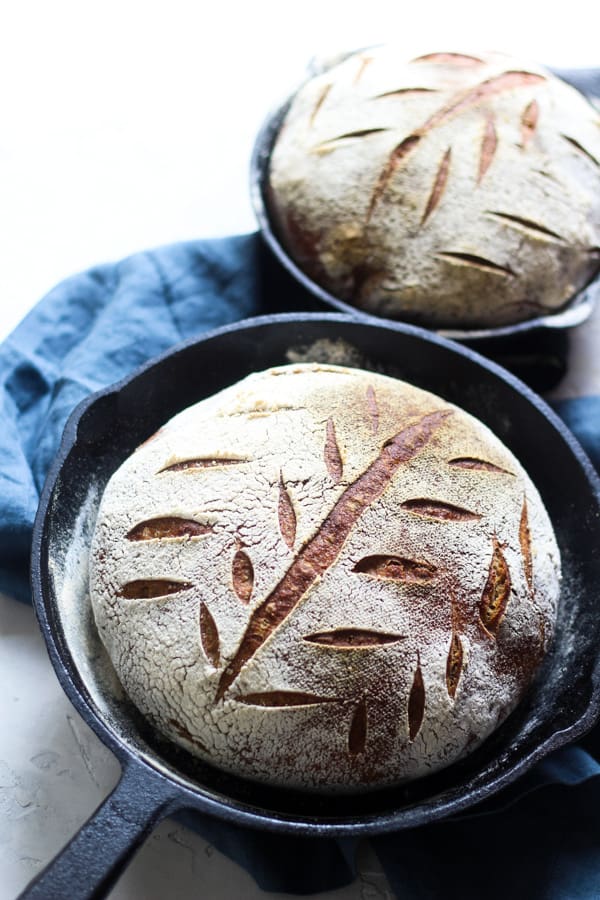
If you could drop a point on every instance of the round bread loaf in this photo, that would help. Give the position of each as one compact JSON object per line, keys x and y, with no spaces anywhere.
{"x":449,"y":190}
{"x":324,"y":578}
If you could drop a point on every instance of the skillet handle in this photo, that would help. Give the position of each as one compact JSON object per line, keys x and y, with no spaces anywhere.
{"x":92,"y":861}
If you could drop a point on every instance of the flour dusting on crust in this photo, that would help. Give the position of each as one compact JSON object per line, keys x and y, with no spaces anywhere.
{"x":447,"y":189}
{"x":324,"y":578}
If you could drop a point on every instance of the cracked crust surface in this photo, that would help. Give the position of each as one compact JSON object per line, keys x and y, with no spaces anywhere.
{"x":451,"y":190}
{"x":324,"y":578}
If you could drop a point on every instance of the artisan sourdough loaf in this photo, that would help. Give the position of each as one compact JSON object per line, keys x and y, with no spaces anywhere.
{"x":449,"y":189}
{"x":324,"y":578}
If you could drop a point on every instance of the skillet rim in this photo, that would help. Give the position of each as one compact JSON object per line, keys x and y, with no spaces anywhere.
{"x":205,"y":799}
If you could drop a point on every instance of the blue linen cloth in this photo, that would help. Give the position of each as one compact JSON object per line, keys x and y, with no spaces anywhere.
{"x":538,"y":839}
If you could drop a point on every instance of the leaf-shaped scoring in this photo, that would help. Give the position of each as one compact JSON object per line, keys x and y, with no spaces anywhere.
{"x":149,"y":588}
{"x":439,"y":185}
{"x":396,"y":568}
{"x":209,"y":635}
{"x":320,"y":101}
{"x":350,"y":638}
{"x":449,"y":59}
{"x":167,"y":527}
{"x":438,"y":509}
{"x":364,"y":61}
{"x":203,"y":462}
{"x":353,"y":135}
{"x":287,"y":515}
{"x":495,"y":593}
{"x":454,"y":664}
{"x":581,"y":149}
{"x":529,"y":121}
{"x":416,"y":703}
{"x":525,"y":541}
{"x":284,"y":698}
{"x":489,"y":142}
{"x":458,"y":258}
{"x":331,"y":453}
{"x":526,"y":225}
{"x":480,"y":465}
{"x":242,"y":575}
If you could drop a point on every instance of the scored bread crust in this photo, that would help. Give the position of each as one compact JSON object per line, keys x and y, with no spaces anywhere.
{"x":324,"y":578}
{"x":448,"y":189}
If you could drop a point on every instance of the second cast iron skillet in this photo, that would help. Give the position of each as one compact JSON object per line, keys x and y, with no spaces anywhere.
{"x":160,"y":779}
{"x":573,"y":313}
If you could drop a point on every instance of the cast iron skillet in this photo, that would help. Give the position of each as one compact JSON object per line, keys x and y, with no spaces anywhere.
{"x":576,"y":311}
{"x":159,"y":779}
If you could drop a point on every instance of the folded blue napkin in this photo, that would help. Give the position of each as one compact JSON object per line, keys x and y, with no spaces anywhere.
{"x":538,"y":839}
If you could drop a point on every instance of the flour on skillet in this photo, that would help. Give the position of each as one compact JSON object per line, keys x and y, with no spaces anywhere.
{"x":324,"y":578}
{"x":69,"y":569}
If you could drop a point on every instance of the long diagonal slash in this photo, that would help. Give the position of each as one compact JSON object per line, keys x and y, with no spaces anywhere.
{"x":506,"y":81}
{"x":322,"y":550}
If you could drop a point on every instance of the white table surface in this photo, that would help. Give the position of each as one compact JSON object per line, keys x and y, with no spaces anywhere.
{"x":127,"y":125}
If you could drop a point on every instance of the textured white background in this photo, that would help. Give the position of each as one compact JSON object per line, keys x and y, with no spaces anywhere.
{"x":129,"y":124}
{"x":125,"y":125}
